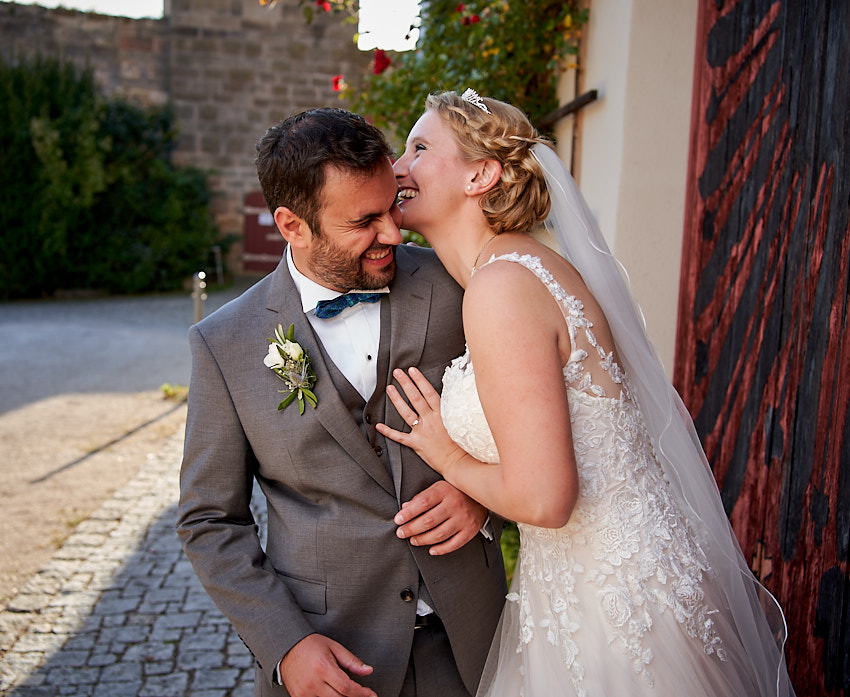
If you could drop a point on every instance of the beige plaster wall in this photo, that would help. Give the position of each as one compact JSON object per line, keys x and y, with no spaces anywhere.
{"x":633,"y":144}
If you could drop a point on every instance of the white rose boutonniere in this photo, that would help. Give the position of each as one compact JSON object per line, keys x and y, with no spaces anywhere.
{"x":291,"y":364}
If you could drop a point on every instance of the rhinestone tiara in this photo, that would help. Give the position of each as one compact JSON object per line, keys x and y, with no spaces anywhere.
{"x":473,"y":98}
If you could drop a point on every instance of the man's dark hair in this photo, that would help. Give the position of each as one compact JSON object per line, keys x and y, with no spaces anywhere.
{"x":292,"y":157}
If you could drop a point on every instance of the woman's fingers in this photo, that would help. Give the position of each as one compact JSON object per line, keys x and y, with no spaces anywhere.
{"x":407,"y":385}
{"x":392,"y":434}
{"x":402,"y":407}
{"x":427,"y":435}
{"x":423,"y":407}
{"x":423,"y":397}
{"x":426,"y":389}
{"x":406,"y":413}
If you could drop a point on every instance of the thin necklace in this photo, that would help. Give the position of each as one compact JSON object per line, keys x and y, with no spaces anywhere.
{"x":475,"y":265}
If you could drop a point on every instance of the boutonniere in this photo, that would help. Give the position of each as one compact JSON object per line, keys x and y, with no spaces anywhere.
{"x":290,"y":363}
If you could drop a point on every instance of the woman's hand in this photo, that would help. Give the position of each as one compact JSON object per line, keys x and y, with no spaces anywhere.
{"x":428,"y":436}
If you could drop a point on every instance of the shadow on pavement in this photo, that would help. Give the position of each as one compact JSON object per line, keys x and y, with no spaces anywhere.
{"x":119,"y":611}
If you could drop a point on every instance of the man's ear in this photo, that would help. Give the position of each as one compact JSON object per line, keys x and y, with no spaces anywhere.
{"x":487,"y":175}
{"x":294,"y":230}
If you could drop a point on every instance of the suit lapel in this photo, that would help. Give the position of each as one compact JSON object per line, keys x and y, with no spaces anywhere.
{"x":410,"y":308}
{"x":284,"y":307}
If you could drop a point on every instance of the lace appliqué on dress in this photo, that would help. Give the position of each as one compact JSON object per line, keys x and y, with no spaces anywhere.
{"x":466,"y":426}
{"x":573,"y":310}
{"x":627,"y":556}
{"x":626,"y":540}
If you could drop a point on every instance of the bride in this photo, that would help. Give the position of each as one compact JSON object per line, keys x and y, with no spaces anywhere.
{"x":559,"y":416}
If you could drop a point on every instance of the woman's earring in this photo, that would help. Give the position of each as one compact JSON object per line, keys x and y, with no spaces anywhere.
{"x":469,"y":187}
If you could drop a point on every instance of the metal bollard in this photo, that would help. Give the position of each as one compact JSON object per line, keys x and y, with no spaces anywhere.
{"x":219,"y":265}
{"x":199,"y":294}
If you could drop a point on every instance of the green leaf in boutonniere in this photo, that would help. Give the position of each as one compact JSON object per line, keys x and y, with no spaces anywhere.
{"x":290,"y":362}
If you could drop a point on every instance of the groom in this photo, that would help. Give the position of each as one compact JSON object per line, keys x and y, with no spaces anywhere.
{"x":340,"y":601}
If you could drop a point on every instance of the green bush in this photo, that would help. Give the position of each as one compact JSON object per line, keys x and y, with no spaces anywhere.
{"x":88,"y":196}
{"x":510,"y":549}
{"x":513,"y":51}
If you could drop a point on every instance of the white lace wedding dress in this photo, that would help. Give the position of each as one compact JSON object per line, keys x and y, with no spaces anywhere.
{"x":620,"y":600}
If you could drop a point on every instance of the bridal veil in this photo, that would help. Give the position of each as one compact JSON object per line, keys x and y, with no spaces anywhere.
{"x":754,"y":612}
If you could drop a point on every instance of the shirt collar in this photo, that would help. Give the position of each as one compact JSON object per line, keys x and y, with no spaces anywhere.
{"x":312,"y":292}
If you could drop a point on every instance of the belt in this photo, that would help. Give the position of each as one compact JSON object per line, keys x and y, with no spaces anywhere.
{"x":429,"y":620}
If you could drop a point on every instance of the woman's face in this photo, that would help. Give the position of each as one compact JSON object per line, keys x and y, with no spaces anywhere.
{"x":431,"y":176}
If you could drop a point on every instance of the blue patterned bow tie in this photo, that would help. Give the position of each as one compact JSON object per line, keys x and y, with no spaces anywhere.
{"x":325,"y":309}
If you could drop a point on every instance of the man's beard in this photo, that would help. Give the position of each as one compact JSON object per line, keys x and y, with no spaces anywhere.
{"x":340,"y":269}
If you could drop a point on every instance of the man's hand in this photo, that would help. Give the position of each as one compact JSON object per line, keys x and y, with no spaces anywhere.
{"x":441,"y":516}
{"x":316,"y":665}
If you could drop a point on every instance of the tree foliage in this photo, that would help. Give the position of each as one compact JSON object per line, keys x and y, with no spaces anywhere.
{"x":508,"y":49}
{"x":88,"y":195}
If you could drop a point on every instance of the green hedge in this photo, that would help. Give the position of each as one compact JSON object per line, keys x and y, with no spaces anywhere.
{"x":88,"y":196}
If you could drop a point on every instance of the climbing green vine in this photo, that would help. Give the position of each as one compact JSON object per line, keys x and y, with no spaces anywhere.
{"x":512,"y":50}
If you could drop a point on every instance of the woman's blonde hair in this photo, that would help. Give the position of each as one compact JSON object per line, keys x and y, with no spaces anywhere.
{"x":519,"y":201}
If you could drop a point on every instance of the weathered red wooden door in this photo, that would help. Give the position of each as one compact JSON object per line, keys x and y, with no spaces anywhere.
{"x":763,"y":350}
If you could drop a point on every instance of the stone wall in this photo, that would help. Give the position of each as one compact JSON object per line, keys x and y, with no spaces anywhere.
{"x":231,"y":68}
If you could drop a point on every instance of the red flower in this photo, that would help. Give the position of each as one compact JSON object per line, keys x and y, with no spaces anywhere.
{"x":324,"y":4}
{"x":474,"y":19}
{"x":464,"y":21}
{"x":382,"y":62}
{"x":459,"y":8}
{"x":338,"y":83}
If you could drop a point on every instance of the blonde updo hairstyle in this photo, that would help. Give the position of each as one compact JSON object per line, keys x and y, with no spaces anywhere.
{"x":520,"y":200}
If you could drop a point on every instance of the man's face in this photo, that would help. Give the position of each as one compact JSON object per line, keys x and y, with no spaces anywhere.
{"x":358,"y":222}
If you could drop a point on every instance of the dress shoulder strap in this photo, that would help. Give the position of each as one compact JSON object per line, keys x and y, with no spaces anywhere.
{"x":582,"y":339}
{"x":571,"y":306}
{"x":534,"y":265}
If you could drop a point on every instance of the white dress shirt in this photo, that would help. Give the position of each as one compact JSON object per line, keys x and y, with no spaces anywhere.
{"x":352,"y":338}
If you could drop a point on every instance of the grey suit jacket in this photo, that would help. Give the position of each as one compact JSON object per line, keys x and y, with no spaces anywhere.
{"x":332,"y":562}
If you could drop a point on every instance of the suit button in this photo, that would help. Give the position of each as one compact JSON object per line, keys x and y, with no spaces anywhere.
{"x":379,"y":450}
{"x":407,"y":595}
{"x":368,"y":418}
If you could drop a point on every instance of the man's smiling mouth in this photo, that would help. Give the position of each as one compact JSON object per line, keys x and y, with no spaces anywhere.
{"x":379,"y":254}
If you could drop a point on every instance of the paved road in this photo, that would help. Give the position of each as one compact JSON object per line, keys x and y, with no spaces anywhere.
{"x":110,"y":344}
{"x":117,"y":612}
